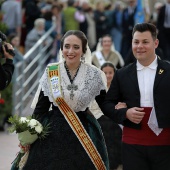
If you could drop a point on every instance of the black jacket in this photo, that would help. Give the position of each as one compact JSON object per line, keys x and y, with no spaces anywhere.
{"x":124,"y":88}
{"x":6,"y":71}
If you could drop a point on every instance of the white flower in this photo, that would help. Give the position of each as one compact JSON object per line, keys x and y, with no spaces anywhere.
{"x":23,"y":120}
{"x":38,"y":129}
{"x":32,"y":123}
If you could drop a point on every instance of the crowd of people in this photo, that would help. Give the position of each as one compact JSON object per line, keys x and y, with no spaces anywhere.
{"x":113,"y":78}
{"x":116,"y":19}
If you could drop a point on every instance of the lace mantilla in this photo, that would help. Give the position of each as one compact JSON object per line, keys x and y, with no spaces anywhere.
{"x":89,"y":81}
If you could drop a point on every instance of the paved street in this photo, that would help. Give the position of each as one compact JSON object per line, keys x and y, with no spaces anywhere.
{"x":8,"y":149}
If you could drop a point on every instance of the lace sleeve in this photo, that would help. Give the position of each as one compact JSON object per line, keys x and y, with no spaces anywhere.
{"x":104,"y":79}
{"x":35,"y":100}
{"x":45,"y":87}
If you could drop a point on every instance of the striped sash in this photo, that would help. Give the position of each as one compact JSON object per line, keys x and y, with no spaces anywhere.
{"x":72,"y":118}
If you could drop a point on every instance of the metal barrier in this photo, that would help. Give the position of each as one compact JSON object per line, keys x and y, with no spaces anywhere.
{"x":29,"y":71}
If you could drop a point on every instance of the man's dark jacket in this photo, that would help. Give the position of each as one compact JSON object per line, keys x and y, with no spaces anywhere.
{"x":125,"y":88}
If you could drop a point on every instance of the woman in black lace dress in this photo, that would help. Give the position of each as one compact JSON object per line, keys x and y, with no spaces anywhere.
{"x":79,"y":84}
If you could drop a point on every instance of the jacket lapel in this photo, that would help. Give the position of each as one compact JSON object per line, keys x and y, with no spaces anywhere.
{"x":133,"y":76}
{"x":160,"y":72}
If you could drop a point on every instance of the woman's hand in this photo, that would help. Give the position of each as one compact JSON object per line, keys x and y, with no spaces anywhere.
{"x":121,"y":105}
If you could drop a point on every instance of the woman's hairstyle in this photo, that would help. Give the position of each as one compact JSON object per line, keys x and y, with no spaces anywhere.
{"x":146,"y":27}
{"x":106,"y":35}
{"x":78,"y":34}
{"x":108,"y":64}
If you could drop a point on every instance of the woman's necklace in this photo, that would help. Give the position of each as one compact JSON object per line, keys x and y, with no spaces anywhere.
{"x":72,"y":87}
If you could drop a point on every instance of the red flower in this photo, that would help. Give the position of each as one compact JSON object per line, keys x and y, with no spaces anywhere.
{"x":2,"y":101}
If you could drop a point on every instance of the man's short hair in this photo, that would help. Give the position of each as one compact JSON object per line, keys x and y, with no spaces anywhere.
{"x":146,"y":27}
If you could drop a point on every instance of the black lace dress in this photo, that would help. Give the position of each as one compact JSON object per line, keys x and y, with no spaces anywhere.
{"x":62,"y":150}
{"x":113,"y":136}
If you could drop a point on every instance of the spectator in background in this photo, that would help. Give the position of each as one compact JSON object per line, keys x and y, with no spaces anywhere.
{"x":12,"y":16}
{"x":70,"y":17}
{"x":60,"y":26}
{"x":15,"y":41}
{"x":163,"y":25}
{"x":32,"y":38}
{"x":101,"y":20}
{"x":91,"y":30}
{"x":35,"y":34}
{"x":46,"y":7}
{"x":32,"y":12}
{"x":109,"y":15}
{"x":154,"y":16}
{"x":128,"y":22}
{"x":55,"y":16}
{"x":116,"y":31}
{"x":82,"y":8}
{"x":106,"y":52}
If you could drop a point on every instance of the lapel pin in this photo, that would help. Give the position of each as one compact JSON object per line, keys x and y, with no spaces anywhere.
{"x":161,"y":71}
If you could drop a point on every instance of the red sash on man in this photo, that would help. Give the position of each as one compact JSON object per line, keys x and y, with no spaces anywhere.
{"x":145,"y":136}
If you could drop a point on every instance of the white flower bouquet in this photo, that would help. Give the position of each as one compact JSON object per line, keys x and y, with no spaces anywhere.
{"x":28,"y":130}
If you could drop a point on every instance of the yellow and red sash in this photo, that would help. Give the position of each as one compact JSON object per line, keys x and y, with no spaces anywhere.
{"x":72,"y":118}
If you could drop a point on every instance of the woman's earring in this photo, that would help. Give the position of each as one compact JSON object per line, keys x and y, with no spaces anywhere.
{"x":83,"y":59}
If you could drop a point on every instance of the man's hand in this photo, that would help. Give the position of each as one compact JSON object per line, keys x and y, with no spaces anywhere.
{"x":135,"y":114}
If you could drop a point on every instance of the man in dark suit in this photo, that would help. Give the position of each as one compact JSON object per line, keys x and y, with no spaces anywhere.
{"x":144,"y":87}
